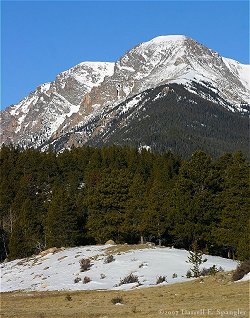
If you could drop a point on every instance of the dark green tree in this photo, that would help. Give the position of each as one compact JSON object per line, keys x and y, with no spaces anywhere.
{"x":195,"y":258}
{"x":107,"y":205}
{"x":61,"y":222}
{"x":193,"y":211}
{"x":27,"y":237}
{"x":134,"y":223}
{"x":233,"y":205}
{"x":158,"y":188}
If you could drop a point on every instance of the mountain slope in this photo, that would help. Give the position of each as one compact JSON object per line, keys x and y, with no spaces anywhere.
{"x":88,"y":93}
{"x":172,"y":118}
{"x":168,"y":117}
{"x":37,"y":117}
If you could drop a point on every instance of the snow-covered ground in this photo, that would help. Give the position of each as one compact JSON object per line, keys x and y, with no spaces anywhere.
{"x":58,"y":270}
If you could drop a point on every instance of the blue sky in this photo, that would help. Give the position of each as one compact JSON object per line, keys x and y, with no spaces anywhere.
{"x":39,"y":39}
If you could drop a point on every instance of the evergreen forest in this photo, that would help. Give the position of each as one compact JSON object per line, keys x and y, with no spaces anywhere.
{"x":90,"y":195}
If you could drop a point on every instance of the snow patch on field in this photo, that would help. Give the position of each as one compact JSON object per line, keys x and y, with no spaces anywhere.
{"x":58,"y":271}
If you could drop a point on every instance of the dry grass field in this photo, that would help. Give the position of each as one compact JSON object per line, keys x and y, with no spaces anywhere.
{"x":216,"y":293}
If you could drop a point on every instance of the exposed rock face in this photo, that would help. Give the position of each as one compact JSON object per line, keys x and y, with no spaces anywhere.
{"x":39,"y":116}
{"x":87,"y":93}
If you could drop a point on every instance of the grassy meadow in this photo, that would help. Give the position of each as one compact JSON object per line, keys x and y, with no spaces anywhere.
{"x":218,"y":294}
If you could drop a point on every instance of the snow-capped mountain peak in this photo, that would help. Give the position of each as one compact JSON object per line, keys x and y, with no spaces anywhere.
{"x":41,"y":113}
{"x":87,"y":89}
{"x":167,"y":38}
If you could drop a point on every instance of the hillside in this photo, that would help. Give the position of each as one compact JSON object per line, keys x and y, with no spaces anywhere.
{"x":214,"y":295}
{"x":61,"y":270}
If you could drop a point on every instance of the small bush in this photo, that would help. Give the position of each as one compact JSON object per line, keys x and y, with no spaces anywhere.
{"x":131,"y":278}
{"x":86,"y":280}
{"x":102,"y":276}
{"x":161,"y":279}
{"x":211,"y":270}
{"x":84,"y":264}
{"x":77,"y":280}
{"x":241,"y":270}
{"x":174,"y":275}
{"x":117,"y":300}
{"x":68,"y":297}
{"x":189,"y":274}
{"x":205,"y":271}
{"x":109,"y":259}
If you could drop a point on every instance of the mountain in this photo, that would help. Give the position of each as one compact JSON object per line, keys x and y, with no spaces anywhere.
{"x":38,"y":116}
{"x":167,"y":118}
{"x":177,"y":91}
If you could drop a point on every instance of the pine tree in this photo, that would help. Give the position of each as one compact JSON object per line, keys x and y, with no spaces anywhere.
{"x":232,"y":229}
{"x":134,"y":223}
{"x":106,"y":206}
{"x":192,"y":207}
{"x":61,"y":221}
{"x":8,"y":184}
{"x":195,"y":258}
{"x":157,"y":192}
{"x":4,"y":250}
{"x":27,"y":237}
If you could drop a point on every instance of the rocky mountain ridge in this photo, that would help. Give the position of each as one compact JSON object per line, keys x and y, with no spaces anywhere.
{"x":92,"y":89}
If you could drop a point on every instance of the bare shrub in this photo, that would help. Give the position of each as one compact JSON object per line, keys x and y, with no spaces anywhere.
{"x":86,"y":280}
{"x":77,"y":280}
{"x":109,"y":259}
{"x":241,"y":270}
{"x":85,"y":264}
{"x":117,"y":300}
{"x":131,"y":278}
{"x":68,"y":297}
{"x":161,"y":279}
{"x":211,"y":270}
{"x":102,"y":276}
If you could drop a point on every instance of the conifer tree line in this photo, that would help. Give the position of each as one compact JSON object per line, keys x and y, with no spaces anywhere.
{"x":90,"y":195}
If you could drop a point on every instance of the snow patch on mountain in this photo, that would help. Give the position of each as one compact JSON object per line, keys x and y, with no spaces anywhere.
{"x":130,"y":104}
{"x":89,"y":74}
{"x":242,"y":71}
{"x":167,"y":38}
